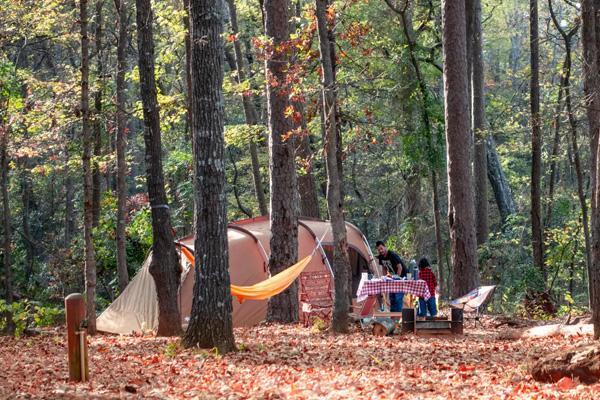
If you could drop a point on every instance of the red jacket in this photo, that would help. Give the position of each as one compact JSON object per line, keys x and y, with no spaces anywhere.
{"x":429,"y":277}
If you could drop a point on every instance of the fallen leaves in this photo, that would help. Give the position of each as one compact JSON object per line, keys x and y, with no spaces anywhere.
{"x":290,"y":362}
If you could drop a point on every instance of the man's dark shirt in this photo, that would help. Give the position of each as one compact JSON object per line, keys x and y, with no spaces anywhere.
{"x":390,"y":263}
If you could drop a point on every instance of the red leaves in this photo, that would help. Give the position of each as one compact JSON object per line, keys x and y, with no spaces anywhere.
{"x":289,"y":362}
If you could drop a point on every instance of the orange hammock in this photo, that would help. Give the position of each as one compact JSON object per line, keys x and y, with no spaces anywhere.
{"x":267,"y":288}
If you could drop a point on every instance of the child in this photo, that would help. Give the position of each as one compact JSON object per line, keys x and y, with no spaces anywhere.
{"x":426,"y":274}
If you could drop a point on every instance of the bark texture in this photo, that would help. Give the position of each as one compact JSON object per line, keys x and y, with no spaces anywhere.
{"x":6,"y":240}
{"x":97,"y":138}
{"x":502,"y":191}
{"x":537,"y":229}
{"x":341,"y":261}
{"x":461,"y":208}
{"x":210,"y":321}
{"x":283,"y":187}
{"x":591,"y":86}
{"x":121,"y":144}
{"x":164,"y":266}
{"x":566,"y":85}
{"x":479,"y":128}
{"x":88,"y":208}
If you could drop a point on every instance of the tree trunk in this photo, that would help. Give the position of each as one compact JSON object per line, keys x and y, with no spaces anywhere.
{"x":439,"y":241}
{"x":164,"y":266}
{"x":502,"y":191}
{"x":307,"y":188}
{"x":341,"y":261}
{"x":591,"y":86}
{"x":210,"y":321}
{"x":249,"y":110}
{"x":537,"y":229}
{"x":566,"y":77}
{"x":188,"y":66}
{"x":284,"y":220}
{"x":479,"y":128}
{"x":461,"y":207}
{"x":88,"y":215}
{"x":96,"y":175}
{"x":121,"y":145}
{"x":411,"y":42}
{"x":69,"y":195}
{"x":6,"y":242}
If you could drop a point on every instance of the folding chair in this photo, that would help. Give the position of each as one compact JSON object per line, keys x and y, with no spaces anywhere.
{"x":316,"y":296}
{"x":473,"y":301}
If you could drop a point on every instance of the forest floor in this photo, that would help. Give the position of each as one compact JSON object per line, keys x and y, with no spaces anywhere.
{"x":293,"y":362}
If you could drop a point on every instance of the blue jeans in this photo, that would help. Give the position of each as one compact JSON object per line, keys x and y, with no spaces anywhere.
{"x":396,"y":300}
{"x":425,"y":306}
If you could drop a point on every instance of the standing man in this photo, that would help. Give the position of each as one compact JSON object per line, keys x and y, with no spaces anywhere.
{"x":392,"y":264}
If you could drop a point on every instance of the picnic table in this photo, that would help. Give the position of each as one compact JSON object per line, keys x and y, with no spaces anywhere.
{"x":369,"y":289}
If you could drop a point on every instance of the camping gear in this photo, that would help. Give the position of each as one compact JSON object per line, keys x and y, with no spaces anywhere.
{"x":472,"y":301}
{"x":265,"y":289}
{"x":136,"y":309}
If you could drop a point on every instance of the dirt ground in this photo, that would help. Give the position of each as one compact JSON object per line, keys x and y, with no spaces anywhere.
{"x":281,"y":362}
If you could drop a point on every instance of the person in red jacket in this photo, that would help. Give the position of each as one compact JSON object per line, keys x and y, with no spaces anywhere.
{"x":426,"y":274}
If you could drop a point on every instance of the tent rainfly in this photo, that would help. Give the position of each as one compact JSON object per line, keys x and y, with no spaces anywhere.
{"x":136,"y":309}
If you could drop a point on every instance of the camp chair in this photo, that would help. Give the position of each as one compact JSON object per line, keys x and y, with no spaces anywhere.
{"x":316,"y":297}
{"x":472,"y":301}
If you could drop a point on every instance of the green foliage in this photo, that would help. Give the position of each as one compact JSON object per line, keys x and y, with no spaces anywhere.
{"x":27,"y":313}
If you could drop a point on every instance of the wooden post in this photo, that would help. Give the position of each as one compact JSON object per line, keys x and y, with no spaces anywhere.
{"x":456,"y":321}
{"x":76,"y":338}
{"x":408,"y":320}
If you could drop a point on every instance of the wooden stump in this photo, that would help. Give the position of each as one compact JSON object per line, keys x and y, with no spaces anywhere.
{"x":383,"y":326}
{"x":456,"y":318}
{"x":582,"y":362}
{"x":408,"y":320}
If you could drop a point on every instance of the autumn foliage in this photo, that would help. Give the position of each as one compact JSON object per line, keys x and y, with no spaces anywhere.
{"x":276,"y":362}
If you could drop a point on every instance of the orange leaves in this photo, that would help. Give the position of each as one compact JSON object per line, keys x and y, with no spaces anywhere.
{"x":289,"y":362}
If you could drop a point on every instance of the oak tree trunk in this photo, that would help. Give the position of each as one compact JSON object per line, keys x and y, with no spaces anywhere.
{"x":461,"y":207}
{"x":88,"y":207}
{"x":210,"y":320}
{"x":341,"y":261}
{"x":164,"y":266}
{"x":282,"y":167}
{"x":121,"y":144}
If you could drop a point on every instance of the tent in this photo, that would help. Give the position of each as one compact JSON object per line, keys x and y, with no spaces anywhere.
{"x":136,"y":309}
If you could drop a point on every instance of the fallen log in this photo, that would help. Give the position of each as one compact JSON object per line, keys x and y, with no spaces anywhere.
{"x":547,"y":331}
{"x":582,"y":362}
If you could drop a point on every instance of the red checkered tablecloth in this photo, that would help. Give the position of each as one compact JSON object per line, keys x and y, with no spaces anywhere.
{"x":376,"y":286}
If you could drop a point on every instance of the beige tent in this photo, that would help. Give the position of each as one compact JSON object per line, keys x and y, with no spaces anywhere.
{"x":136,"y":309}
